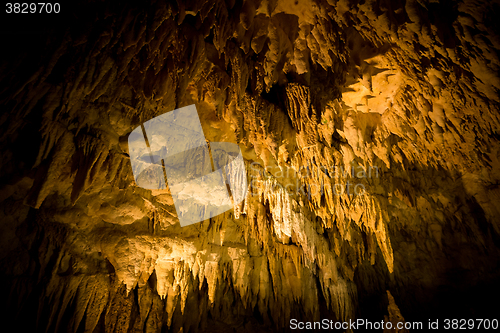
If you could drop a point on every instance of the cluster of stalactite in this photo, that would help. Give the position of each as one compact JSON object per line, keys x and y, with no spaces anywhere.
{"x":369,"y":131}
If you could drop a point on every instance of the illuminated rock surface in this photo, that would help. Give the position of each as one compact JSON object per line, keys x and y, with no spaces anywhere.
{"x":399,"y":98}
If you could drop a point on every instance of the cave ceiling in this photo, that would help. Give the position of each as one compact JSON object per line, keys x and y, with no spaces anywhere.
{"x":369,"y":132}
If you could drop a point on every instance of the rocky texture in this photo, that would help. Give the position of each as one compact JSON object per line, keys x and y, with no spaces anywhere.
{"x":395,"y":317}
{"x":402,"y":94}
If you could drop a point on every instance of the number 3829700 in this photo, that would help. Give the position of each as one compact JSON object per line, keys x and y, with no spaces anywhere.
{"x":32,"y":8}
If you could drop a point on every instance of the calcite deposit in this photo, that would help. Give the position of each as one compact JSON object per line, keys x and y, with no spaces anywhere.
{"x":370,"y":136}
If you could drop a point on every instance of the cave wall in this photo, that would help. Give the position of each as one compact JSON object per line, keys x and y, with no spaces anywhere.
{"x":407,"y":89}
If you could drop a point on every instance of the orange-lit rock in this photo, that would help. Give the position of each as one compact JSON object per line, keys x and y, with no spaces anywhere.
{"x":398,"y":98}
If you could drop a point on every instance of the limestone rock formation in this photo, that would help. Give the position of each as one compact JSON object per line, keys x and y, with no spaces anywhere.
{"x":370,"y":133}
